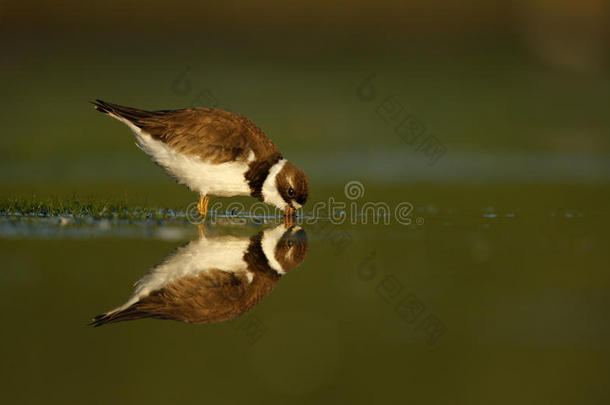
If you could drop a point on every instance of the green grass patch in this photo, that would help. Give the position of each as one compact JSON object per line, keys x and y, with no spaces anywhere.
{"x":85,"y":208}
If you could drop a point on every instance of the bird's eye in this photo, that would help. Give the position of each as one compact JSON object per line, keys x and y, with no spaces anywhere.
{"x":291,"y":191}
{"x":290,"y":243}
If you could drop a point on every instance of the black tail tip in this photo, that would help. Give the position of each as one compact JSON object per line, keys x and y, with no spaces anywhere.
{"x":100,"y":106}
{"x":98,"y":321}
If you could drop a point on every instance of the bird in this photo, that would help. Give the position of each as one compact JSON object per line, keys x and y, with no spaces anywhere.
{"x":215,"y":153}
{"x":212,"y":279}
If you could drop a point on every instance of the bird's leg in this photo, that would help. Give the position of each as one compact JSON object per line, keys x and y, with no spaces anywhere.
{"x":201,"y":228}
{"x":202,"y":205}
{"x":206,"y":202}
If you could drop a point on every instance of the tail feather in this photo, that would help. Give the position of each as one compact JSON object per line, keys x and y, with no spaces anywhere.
{"x":133,"y":115}
{"x":128,"y":314}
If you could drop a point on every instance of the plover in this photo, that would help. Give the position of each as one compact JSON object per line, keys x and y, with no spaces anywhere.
{"x":215,"y":153}
{"x":213,"y":278}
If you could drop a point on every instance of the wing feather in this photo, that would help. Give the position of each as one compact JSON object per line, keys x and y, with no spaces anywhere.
{"x":214,"y":135}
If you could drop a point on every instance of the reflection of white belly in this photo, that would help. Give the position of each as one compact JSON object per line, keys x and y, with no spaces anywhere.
{"x":223,"y":180}
{"x":222,"y":253}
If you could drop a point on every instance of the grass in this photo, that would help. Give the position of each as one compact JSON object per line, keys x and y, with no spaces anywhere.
{"x":87,"y":217}
{"x":89,"y":208}
{"x":93,"y":210}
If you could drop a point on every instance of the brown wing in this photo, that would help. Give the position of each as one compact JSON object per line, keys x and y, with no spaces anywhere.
{"x":215,"y":135}
{"x":211,"y":296}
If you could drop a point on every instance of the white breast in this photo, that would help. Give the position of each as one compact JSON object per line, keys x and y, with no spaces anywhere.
{"x":222,"y":180}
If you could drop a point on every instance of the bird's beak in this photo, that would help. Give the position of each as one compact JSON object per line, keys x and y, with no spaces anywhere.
{"x":290,"y":211}
{"x":289,"y":215}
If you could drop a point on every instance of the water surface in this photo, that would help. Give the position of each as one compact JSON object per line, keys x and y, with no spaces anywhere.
{"x":457,"y":307}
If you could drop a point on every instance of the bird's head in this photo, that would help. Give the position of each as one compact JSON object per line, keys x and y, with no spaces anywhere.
{"x":286,"y":187}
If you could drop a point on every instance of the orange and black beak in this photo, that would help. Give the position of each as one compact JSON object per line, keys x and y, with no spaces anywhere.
{"x":290,"y":211}
{"x":289,"y":215}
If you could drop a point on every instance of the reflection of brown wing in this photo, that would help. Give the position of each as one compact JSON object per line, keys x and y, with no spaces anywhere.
{"x":214,"y":135}
{"x":211,"y":296}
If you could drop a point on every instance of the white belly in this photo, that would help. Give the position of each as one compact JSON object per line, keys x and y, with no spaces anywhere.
{"x":223,"y":180}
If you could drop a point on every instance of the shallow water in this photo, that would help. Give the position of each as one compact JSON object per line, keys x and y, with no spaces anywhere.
{"x":458,"y":306}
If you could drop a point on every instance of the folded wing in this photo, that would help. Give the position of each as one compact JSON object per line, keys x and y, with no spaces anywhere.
{"x":214,"y":135}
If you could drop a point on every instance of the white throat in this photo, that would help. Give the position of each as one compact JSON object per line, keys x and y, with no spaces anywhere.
{"x":269,"y":189}
{"x":268,"y":243}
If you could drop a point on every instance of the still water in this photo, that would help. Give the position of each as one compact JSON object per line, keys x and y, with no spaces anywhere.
{"x":486,"y":306}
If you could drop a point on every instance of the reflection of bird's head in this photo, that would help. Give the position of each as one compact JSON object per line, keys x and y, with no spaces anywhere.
{"x":291,"y":249}
{"x":285,"y":249}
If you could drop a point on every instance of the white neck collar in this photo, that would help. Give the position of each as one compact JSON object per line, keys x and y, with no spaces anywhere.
{"x":269,"y":189}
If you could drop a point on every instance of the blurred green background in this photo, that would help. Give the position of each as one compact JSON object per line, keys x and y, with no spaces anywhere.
{"x":515,"y":91}
{"x":512,"y":257}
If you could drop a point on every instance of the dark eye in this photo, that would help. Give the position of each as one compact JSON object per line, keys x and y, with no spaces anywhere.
{"x":290,"y":243}
{"x":291,"y":191}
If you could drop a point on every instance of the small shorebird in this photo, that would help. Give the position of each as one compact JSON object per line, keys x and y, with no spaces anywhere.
{"x":213,"y":279}
{"x":215,"y":153}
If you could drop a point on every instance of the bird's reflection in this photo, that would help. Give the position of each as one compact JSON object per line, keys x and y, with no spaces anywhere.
{"x":213,"y":279}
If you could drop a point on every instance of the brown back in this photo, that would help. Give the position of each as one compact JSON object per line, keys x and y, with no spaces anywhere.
{"x":214,"y":135}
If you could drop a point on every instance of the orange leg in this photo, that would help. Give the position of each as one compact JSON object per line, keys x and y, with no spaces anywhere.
{"x":202,"y":205}
{"x":201,"y":230}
